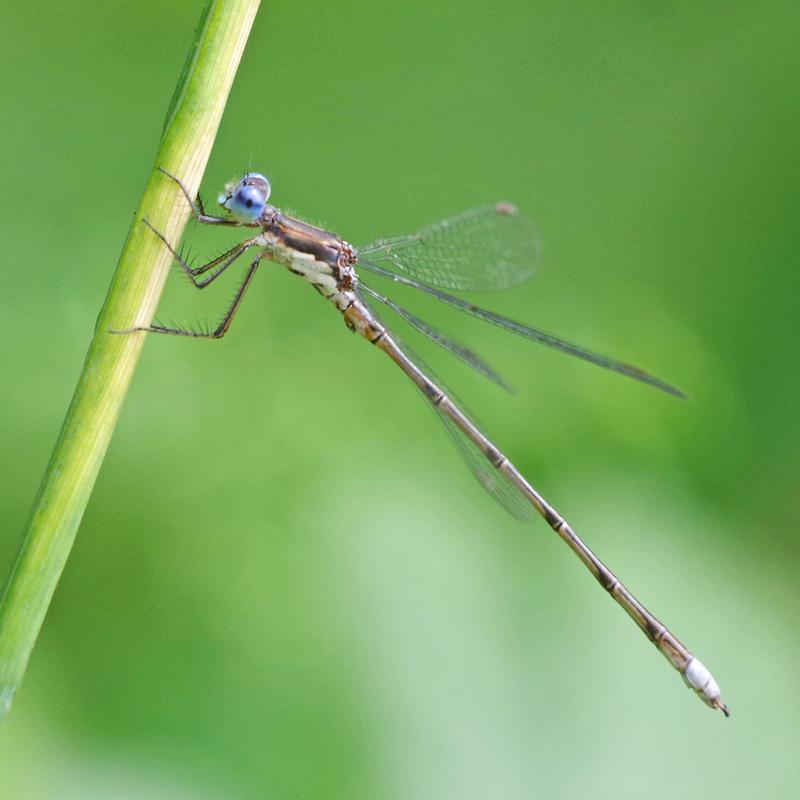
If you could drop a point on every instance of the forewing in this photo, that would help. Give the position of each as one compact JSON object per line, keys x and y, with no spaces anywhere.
{"x":493,"y":247}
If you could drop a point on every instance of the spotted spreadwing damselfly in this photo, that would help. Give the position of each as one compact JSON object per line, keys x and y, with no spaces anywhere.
{"x":493,"y":247}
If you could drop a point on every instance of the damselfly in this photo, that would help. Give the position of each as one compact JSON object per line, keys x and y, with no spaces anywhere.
{"x":487,"y":248}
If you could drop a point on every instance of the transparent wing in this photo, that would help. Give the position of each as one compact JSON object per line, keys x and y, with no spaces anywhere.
{"x":464,"y":354}
{"x":526,"y":331}
{"x":487,"y":248}
{"x":494,"y":482}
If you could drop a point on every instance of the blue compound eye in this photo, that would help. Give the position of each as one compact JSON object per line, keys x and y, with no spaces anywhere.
{"x":246,"y":199}
{"x":247,"y":203}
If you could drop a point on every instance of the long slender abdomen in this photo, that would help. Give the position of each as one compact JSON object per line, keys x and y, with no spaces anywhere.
{"x":696,"y":676}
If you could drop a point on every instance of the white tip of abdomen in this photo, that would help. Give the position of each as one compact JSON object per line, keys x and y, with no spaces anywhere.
{"x":698,"y":677}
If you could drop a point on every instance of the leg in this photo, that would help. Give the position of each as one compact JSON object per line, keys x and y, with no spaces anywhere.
{"x":198,"y":210}
{"x":222,"y":328}
{"x":221,"y":262}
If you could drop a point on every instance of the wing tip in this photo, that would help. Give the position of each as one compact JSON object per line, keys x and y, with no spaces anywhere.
{"x":639,"y":374}
{"x":665,"y":387}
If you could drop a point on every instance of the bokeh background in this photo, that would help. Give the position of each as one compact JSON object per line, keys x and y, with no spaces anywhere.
{"x":286,"y":585}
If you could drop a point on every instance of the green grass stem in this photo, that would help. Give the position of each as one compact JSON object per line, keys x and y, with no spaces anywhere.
{"x":189,"y":131}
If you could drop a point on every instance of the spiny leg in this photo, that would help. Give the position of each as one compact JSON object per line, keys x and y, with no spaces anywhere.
{"x":198,"y":209}
{"x":223,"y":326}
{"x":222,"y":262}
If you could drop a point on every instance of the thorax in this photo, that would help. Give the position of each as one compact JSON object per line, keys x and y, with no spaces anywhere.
{"x":321,"y":257}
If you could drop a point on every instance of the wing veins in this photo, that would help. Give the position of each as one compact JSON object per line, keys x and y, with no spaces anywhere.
{"x":493,"y":247}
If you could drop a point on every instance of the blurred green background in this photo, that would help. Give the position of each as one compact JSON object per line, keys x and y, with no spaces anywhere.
{"x":286,"y":585}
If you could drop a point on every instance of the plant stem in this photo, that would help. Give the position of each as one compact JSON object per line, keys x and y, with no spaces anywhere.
{"x":189,"y":131}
